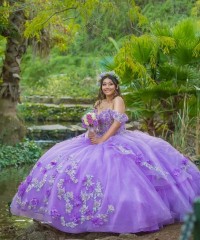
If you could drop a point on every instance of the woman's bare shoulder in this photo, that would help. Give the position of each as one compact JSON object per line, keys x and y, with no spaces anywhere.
{"x":118,"y":99}
{"x":119,"y":104}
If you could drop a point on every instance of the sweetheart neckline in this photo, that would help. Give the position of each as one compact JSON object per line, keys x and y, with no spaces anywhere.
{"x":104,"y":111}
{"x":108,"y":109}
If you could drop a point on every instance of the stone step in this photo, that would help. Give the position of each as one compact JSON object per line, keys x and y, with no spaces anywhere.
{"x":70,"y":105}
{"x":58,"y":132}
{"x":54,"y":132}
{"x":56,"y":100}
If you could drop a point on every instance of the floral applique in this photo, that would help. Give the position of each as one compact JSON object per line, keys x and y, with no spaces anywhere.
{"x":78,"y":206}
{"x":86,"y":206}
{"x":182,"y":168}
{"x":124,"y":150}
{"x":138,"y":158}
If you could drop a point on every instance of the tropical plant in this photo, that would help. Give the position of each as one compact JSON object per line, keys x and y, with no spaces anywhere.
{"x":158,"y":68}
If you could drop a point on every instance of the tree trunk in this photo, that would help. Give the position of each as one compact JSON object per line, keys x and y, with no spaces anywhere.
{"x":12,"y":129}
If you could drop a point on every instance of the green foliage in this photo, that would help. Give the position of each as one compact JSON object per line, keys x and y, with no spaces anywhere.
{"x":4,"y":13}
{"x":60,"y":75}
{"x":170,"y":11}
{"x":196,"y":9}
{"x":184,"y":119}
{"x":2,"y":49}
{"x":115,"y":22}
{"x":23,"y":153}
{"x":61,"y":19}
{"x":63,"y":85}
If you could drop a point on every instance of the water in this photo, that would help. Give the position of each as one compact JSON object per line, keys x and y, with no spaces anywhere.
{"x":9,"y":182}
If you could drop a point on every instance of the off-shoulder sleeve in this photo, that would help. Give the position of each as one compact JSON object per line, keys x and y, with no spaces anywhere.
{"x":120,"y":117}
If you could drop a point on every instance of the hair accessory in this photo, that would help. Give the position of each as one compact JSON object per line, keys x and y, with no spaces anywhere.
{"x":105,"y":74}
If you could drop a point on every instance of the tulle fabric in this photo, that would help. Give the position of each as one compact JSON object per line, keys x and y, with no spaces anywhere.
{"x":133,"y":182}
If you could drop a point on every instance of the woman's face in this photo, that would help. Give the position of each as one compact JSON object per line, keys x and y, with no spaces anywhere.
{"x":108,"y":87}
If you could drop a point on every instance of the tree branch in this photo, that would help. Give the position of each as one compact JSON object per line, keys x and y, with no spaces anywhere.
{"x":66,"y":9}
{"x":65,"y":19}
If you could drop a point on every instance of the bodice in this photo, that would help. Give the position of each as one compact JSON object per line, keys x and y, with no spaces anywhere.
{"x":107,"y":117}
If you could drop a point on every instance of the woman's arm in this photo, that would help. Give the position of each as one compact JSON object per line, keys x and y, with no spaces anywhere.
{"x":119,"y":106}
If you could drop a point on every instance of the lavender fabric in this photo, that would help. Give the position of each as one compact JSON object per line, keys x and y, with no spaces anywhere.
{"x":130,"y":183}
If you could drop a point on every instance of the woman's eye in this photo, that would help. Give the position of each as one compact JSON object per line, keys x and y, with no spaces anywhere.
{"x":109,"y":84}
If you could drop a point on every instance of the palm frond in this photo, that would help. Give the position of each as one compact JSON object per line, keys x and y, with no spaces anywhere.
{"x":186,"y":30}
{"x":115,"y":44}
{"x":161,"y":29}
{"x":179,"y":74}
{"x":107,"y":63}
{"x":141,"y":48}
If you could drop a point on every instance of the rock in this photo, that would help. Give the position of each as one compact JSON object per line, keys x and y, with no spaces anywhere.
{"x":99,"y":235}
{"x":110,"y":238}
{"x":53,"y":132}
{"x":134,"y":125}
{"x":36,"y":236}
{"x":33,"y":227}
{"x":128,"y":236}
{"x":48,"y":234}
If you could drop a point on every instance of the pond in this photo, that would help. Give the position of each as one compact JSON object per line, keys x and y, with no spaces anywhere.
{"x":9,"y":182}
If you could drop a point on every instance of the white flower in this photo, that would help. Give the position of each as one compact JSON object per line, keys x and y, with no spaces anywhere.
{"x":93,"y":115}
{"x":111,"y":73}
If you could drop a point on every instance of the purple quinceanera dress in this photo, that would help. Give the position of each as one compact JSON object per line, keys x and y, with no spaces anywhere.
{"x":130,"y":183}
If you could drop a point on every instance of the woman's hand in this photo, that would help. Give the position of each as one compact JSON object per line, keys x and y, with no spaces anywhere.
{"x":96,"y":140}
{"x":93,"y":138}
{"x":91,"y":134}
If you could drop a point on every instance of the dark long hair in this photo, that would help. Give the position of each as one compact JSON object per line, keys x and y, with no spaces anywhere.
{"x":101,"y":95}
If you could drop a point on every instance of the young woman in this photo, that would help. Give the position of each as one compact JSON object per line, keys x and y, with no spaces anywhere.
{"x":111,"y":180}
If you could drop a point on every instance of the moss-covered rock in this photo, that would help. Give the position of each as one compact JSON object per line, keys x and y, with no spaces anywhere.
{"x":52,"y":112}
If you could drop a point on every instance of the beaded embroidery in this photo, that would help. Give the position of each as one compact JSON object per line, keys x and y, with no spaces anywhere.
{"x":107,"y":117}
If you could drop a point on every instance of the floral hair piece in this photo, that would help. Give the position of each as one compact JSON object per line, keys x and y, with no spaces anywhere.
{"x":107,"y":74}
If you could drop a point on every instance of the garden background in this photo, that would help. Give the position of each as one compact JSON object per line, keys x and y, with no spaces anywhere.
{"x":51,"y":54}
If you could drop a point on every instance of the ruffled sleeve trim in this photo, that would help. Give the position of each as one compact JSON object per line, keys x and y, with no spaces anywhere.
{"x":120,"y":117}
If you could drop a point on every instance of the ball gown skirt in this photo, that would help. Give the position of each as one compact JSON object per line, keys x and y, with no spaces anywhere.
{"x":130,"y":183}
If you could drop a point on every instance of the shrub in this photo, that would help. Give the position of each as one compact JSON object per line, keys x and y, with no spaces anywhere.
{"x":22,"y":153}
